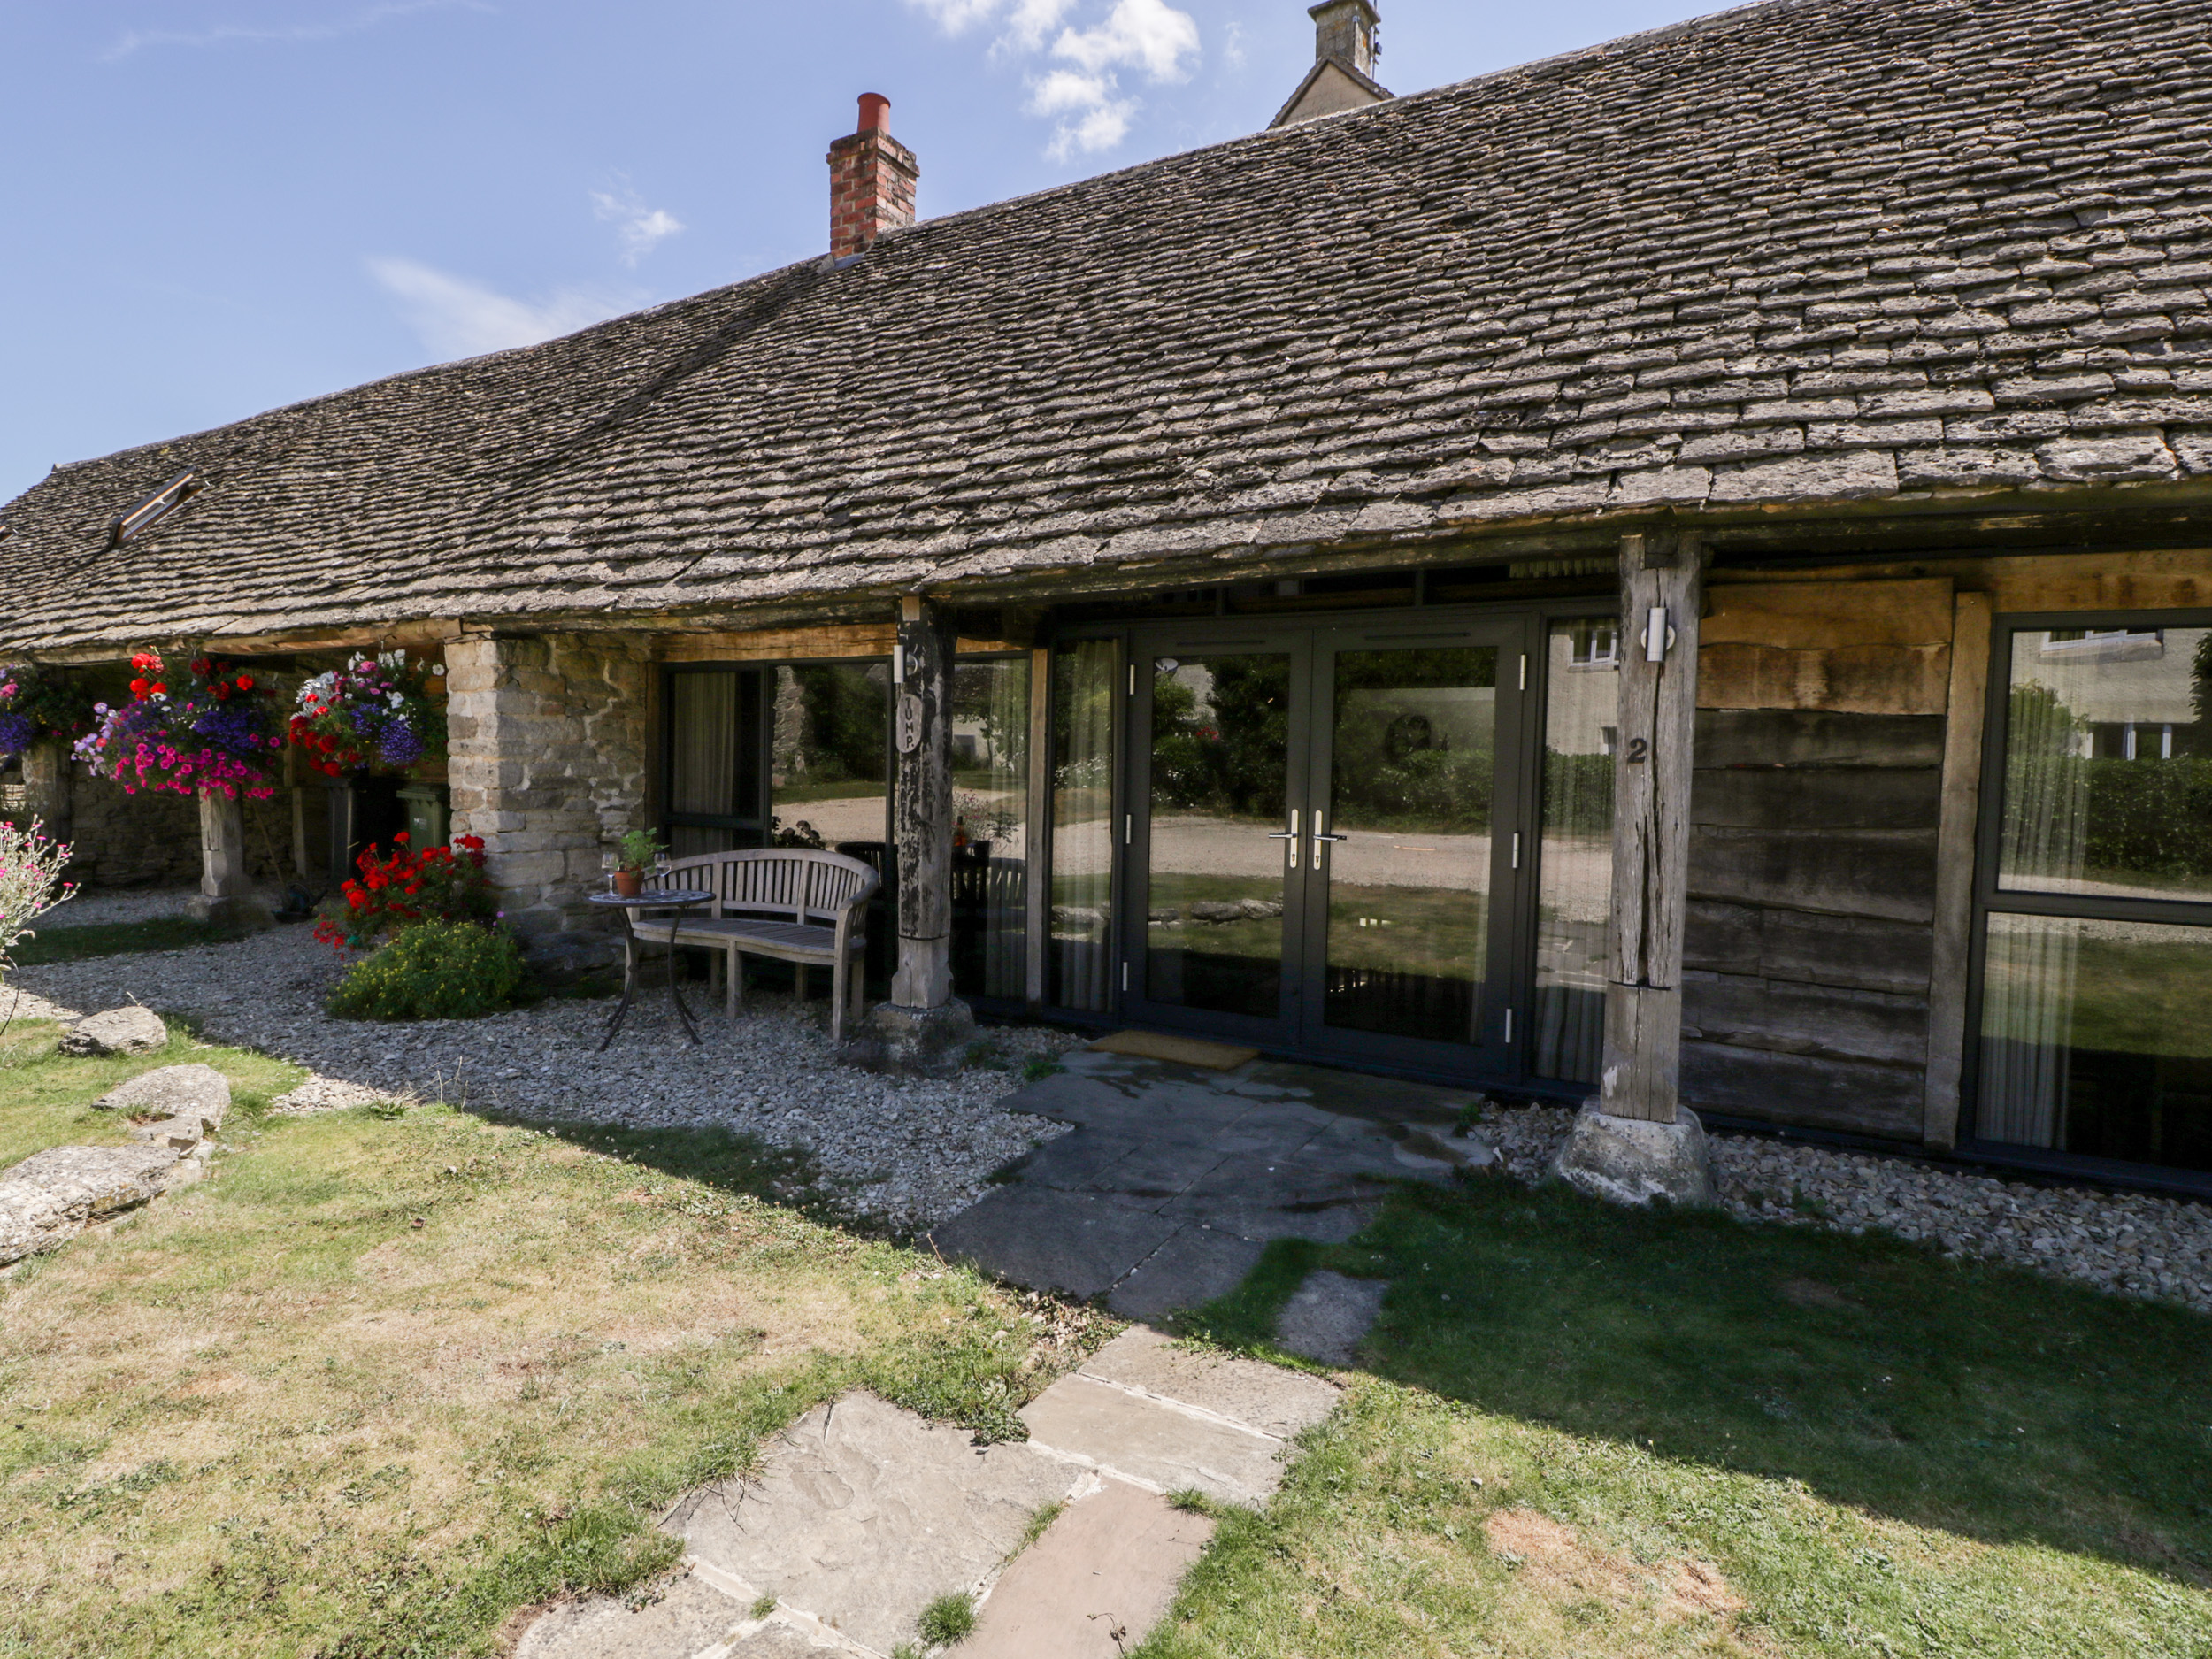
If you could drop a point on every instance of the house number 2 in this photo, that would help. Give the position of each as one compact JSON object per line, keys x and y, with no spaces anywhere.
{"x":1639,"y":750}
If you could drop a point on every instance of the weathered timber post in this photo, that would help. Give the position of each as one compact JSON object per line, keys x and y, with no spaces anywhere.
{"x":924,"y":1027}
{"x":226,"y":896}
{"x":1634,"y":1142}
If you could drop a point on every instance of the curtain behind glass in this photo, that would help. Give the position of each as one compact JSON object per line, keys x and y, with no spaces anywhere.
{"x":1574,"y":870}
{"x":990,"y":739}
{"x":2027,"y":1007}
{"x":702,"y":715}
{"x":1082,"y":823}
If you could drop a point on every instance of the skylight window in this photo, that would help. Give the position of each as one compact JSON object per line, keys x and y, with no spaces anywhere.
{"x":154,"y":508}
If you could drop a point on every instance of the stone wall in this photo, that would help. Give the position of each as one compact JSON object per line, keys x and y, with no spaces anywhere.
{"x":549,"y":763}
{"x":153,"y":839}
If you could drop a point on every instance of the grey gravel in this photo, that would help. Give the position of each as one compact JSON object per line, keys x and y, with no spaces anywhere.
{"x":2133,"y":1244}
{"x":909,"y":1153}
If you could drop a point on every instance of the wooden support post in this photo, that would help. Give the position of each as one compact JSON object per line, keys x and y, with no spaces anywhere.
{"x":921,"y":805}
{"x":1963,"y":731}
{"x":1662,"y":589}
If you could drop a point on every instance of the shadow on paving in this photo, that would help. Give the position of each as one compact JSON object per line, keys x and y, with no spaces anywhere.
{"x":1177,"y":1178}
{"x":1982,"y":1401}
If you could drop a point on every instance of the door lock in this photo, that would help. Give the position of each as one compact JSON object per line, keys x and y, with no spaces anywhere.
{"x":1290,"y":835}
{"x":1319,"y":839}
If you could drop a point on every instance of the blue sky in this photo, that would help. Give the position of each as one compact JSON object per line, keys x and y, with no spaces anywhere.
{"x":217,"y":206}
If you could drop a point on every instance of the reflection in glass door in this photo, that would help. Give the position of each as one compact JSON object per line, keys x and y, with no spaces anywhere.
{"x":1215,"y":847}
{"x":1404,"y":843}
{"x":1326,"y":824}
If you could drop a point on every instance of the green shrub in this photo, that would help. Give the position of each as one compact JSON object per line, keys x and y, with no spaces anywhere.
{"x":434,"y":971}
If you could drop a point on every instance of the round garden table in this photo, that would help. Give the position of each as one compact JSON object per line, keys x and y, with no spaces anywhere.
{"x":633,"y":952}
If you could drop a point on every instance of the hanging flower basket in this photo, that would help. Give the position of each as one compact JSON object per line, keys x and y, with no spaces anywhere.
{"x":374,"y":714}
{"x":210,"y":730}
{"x":38,"y":700}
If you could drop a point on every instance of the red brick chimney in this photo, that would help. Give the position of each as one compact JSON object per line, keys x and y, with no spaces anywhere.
{"x":871,"y":181}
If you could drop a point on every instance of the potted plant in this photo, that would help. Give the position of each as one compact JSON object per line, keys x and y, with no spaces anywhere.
{"x":638,"y":851}
{"x":374,"y":714}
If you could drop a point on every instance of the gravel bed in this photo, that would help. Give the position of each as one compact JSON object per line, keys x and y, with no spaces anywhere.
{"x":96,"y":905}
{"x":910,"y":1152}
{"x":2132,"y":1244}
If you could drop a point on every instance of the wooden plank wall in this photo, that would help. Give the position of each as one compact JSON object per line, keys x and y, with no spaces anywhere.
{"x":1816,"y":808}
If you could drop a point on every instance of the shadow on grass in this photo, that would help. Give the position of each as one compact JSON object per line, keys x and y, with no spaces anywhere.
{"x":1983,"y":1401}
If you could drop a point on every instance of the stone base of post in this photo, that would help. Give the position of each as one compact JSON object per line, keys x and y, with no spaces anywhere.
{"x":914,"y":1042}
{"x":1632,"y":1160}
{"x":227,"y":898}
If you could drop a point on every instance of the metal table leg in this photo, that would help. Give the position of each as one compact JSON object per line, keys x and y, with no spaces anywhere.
{"x":629,"y":982}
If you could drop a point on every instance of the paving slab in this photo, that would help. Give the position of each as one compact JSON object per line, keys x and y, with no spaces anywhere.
{"x":1269,"y":1398}
{"x":863,"y":1514}
{"x":1103,"y":1574}
{"x":1079,"y":1244}
{"x":1328,"y":1317}
{"x":1154,"y":1444}
{"x":692,"y":1616}
{"x":1193,"y":1266}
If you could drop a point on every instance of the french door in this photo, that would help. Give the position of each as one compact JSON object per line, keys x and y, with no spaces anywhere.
{"x":1328,"y":834}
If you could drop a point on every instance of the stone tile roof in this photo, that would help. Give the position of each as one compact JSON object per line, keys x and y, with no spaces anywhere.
{"x":1805,"y":253}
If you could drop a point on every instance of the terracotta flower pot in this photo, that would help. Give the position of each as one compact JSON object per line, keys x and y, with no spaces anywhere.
{"x":629,"y":883}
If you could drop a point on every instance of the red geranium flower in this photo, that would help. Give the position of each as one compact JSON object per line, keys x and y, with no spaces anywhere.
{"x":245,"y":682}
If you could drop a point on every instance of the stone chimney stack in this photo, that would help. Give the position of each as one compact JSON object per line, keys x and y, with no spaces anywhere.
{"x":871,"y":179}
{"x":1343,"y":74}
{"x":1345,"y":30}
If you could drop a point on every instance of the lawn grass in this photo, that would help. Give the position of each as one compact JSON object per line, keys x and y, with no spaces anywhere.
{"x":45,"y":1096}
{"x":56,"y":942}
{"x":1582,"y":1431}
{"x":385,"y":1377}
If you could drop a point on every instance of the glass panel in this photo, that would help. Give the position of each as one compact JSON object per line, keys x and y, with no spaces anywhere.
{"x":1414,"y":753}
{"x":689,"y":841}
{"x":703,"y":729}
{"x":2108,"y":763}
{"x":990,"y":799}
{"x":1220,"y":751}
{"x":1082,"y":823}
{"x":2097,"y":1038}
{"x":1574,"y":867}
{"x":831,"y":755}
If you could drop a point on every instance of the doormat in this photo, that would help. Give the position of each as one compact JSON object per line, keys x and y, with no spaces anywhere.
{"x":1154,"y":1045}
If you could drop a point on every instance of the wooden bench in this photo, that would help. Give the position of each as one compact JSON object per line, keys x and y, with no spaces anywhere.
{"x":823,"y":895}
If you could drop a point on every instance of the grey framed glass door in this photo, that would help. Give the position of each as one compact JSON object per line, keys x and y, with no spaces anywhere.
{"x":1219,"y":733}
{"x":1326,"y":836}
{"x":1417,"y":837}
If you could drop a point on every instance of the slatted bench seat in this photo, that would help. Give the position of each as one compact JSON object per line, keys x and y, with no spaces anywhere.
{"x":789,"y":904}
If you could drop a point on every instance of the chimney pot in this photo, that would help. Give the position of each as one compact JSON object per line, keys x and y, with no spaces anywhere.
{"x":871,"y":181}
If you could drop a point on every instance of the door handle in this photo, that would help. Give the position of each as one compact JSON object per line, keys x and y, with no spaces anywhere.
{"x":1320,"y":838}
{"x":1290,"y":835}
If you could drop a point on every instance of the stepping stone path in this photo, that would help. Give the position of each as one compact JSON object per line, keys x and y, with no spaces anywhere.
{"x":118,"y":1031}
{"x":862,"y":1514}
{"x":53,"y":1197}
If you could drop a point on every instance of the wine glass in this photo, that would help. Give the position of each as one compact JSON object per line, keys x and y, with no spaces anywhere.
{"x":660,"y":867}
{"x":607,"y":863}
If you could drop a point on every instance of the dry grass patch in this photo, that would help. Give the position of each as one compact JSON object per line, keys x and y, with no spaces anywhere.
{"x":381,"y":1380}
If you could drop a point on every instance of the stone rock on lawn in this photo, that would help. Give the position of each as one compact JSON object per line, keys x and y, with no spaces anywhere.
{"x":50,"y":1195}
{"x":197,"y":1092}
{"x":118,"y":1031}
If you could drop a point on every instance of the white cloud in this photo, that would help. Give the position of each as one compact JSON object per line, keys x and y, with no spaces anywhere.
{"x":1028,"y":24}
{"x":642,"y":228}
{"x":223,"y":34}
{"x":1148,"y":34}
{"x":456,"y":318}
{"x":1097,"y":119}
{"x":956,"y":17}
{"x":1148,"y":37}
